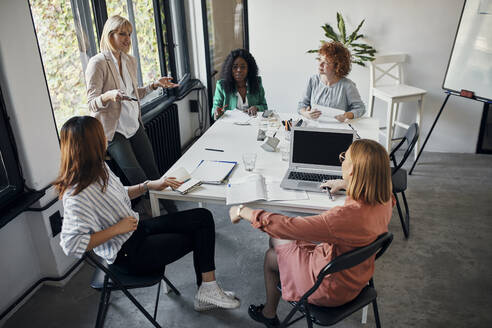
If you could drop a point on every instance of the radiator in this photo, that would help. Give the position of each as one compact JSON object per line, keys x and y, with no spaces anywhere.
{"x":163,"y":132}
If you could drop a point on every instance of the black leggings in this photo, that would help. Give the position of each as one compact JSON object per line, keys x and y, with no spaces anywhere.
{"x":165,"y":239}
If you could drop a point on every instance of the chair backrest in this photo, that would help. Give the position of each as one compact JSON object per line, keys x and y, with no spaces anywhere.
{"x":410,"y":139}
{"x":387,"y":68}
{"x":358,"y":255}
{"x":351,"y":259}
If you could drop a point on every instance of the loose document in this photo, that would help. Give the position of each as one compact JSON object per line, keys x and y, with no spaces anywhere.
{"x":256,"y":187}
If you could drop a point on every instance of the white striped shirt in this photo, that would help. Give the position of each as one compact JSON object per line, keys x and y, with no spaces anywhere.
{"x":92,"y":210}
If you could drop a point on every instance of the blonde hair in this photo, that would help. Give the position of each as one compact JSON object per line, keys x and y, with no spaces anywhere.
{"x":113,"y":25}
{"x":371,"y":172}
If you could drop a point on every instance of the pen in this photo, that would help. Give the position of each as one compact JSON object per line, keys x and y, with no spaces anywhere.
{"x":329,"y":193}
{"x":356,"y":134}
{"x":213,"y":149}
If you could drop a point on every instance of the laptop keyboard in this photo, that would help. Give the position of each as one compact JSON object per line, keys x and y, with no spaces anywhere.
{"x":312,"y":176}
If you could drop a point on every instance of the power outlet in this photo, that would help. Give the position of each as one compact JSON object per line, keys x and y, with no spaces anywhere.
{"x":56,"y":223}
{"x":193,"y":106}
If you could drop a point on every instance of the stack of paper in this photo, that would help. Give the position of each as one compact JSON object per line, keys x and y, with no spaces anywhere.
{"x":255,"y":187}
{"x":237,"y":116}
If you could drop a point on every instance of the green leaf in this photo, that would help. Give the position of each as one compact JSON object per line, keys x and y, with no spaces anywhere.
{"x":354,"y":33}
{"x":341,"y":28}
{"x":359,"y":62}
{"x":312,"y":51}
{"x":329,"y":32}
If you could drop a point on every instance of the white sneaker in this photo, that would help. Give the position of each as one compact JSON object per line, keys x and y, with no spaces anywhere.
{"x":215,"y":295}
{"x":203,"y":306}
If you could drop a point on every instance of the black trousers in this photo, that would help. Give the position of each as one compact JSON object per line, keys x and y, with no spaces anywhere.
{"x":135,"y":158}
{"x":165,"y":239}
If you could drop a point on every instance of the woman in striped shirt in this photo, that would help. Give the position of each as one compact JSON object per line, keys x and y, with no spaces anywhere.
{"x":98,"y":216}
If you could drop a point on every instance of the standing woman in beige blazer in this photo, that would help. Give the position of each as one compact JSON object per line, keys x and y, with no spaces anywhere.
{"x":114,"y":99}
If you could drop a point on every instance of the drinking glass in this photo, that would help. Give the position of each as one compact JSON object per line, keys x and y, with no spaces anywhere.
{"x":249,"y":160}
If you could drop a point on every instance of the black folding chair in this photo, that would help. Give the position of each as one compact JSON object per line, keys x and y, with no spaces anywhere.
{"x":108,"y":278}
{"x":328,"y":316}
{"x":399,"y":175}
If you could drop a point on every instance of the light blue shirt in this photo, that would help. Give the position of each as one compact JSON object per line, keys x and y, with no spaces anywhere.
{"x":92,"y":210}
{"x":342,"y":95}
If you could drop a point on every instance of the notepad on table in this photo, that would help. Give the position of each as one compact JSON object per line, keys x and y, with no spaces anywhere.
{"x":256,"y":187}
{"x":189,"y":183}
{"x":213,"y":172}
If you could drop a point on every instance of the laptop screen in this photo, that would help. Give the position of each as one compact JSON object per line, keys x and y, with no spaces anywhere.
{"x":319,"y":147}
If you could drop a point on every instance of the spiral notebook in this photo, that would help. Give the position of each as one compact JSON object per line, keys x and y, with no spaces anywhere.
{"x":213,"y":172}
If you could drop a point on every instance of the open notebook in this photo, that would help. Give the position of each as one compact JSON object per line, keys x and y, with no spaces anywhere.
{"x":189,"y":183}
{"x":256,"y":187}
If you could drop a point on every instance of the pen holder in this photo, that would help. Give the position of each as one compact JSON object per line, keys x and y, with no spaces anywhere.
{"x":261,"y":135}
{"x":270,"y":144}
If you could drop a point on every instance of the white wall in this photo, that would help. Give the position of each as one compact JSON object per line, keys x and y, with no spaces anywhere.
{"x":27,"y":250}
{"x":280,"y":32}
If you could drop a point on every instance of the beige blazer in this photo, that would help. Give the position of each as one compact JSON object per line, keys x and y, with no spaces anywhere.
{"x":101,"y":75}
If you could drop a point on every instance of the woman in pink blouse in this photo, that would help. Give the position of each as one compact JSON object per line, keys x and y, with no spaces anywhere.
{"x":301,"y":246}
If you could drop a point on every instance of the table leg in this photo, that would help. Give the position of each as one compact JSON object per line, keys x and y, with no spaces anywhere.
{"x":419,"y":122}
{"x":200,"y":204}
{"x":364,"y":315}
{"x":154,"y":205}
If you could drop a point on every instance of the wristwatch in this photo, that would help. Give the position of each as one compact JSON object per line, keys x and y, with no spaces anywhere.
{"x":239,"y":208}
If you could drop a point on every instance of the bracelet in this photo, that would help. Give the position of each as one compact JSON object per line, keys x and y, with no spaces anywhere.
{"x":146,"y":187}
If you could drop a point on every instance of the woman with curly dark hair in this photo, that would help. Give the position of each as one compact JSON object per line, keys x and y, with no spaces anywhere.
{"x":240,"y":86}
{"x":330,"y":87}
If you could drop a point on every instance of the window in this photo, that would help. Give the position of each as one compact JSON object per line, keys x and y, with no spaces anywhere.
{"x":69,"y":31}
{"x":11,"y":183}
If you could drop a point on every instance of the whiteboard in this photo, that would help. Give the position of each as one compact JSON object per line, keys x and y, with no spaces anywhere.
{"x":470,"y":63}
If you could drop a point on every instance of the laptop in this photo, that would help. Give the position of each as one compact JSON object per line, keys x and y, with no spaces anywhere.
{"x":314,"y":157}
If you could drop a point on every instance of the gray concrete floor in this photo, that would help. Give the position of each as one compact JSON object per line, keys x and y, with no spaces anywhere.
{"x":439,"y":277}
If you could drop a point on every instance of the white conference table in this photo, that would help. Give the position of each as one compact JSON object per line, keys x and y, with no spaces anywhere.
{"x":238,"y":139}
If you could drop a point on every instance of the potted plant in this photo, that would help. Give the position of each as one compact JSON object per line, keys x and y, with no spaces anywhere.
{"x":361,"y":52}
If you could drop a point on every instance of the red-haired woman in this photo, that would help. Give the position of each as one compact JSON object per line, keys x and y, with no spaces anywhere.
{"x":98,"y":216}
{"x":301,"y":247}
{"x":330,"y":87}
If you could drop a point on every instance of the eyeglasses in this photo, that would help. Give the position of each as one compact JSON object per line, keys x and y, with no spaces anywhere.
{"x":341,"y":157}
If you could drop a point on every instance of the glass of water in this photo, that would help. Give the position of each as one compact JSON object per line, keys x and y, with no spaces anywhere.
{"x":249,"y":160}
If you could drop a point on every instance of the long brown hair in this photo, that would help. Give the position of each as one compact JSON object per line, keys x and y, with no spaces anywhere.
{"x":371,"y":173}
{"x":83,"y":147}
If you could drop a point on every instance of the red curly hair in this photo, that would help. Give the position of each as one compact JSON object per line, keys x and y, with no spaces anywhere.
{"x":339,"y":55}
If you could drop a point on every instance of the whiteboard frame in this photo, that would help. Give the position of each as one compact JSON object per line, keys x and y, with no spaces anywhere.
{"x":457,"y":92}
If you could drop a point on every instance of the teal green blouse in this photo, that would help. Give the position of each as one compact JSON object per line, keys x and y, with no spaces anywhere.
{"x":222,"y":98}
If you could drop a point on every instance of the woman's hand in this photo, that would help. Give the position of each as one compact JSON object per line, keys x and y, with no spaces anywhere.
{"x":125,"y":225}
{"x":345,"y":116}
{"x":335,"y":185}
{"x":163,"y":183}
{"x":112,"y":95}
{"x":252,"y":111}
{"x":164,"y":82}
{"x":233,"y":214}
{"x":219,"y":111}
{"x":312,"y":114}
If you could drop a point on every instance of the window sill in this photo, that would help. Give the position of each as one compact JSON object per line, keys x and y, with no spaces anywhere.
{"x":19,"y":205}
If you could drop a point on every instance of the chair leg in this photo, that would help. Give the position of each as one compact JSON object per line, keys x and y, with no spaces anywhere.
{"x":376,"y":313}
{"x":371,"y":105}
{"x":169,"y":284}
{"x":389,"y":125}
{"x":405,"y":221}
{"x":395,"y":119}
{"x":103,"y":304}
{"x":289,"y":316}
{"x":308,"y":316}
{"x":157,"y":299}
